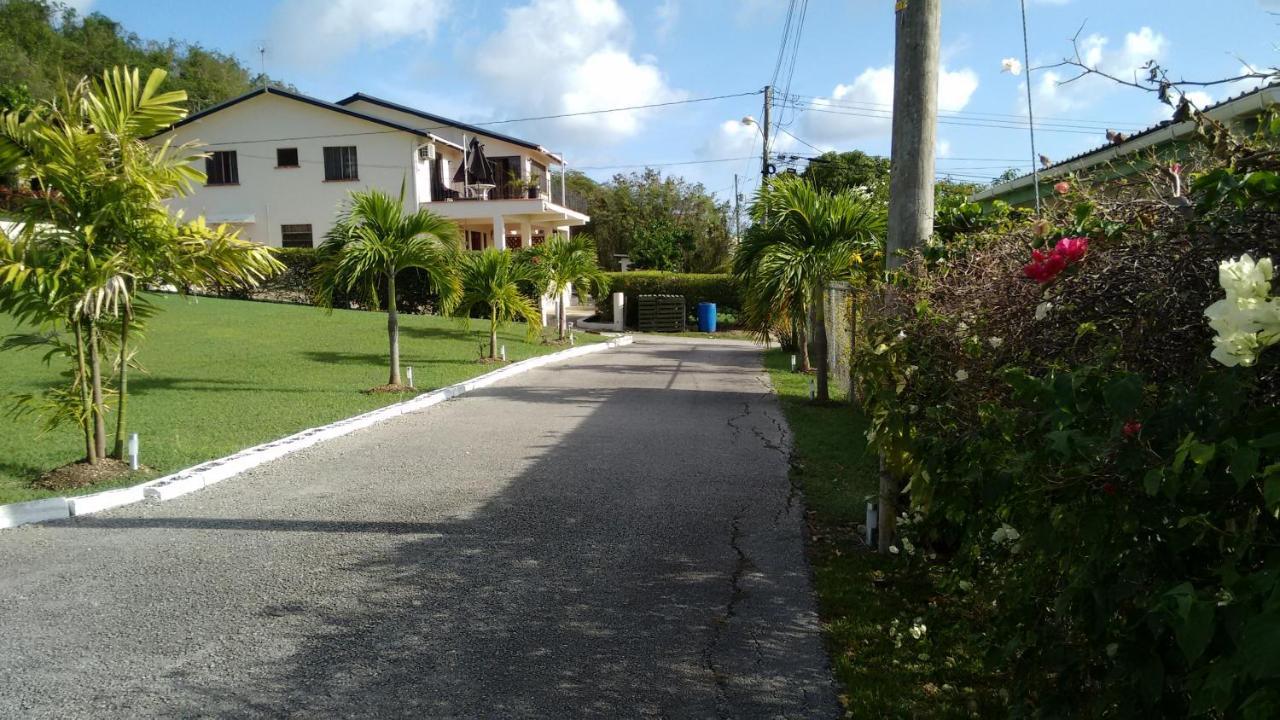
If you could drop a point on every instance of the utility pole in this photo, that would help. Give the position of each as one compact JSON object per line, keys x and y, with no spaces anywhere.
{"x":764,"y":127}
{"x":917,"y":32}
{"x":737,"y":214}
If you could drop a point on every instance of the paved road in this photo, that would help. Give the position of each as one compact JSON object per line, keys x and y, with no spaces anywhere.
{"x":611,"y":537}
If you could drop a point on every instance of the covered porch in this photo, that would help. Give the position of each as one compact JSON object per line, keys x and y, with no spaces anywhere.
{"x":503,"y":224}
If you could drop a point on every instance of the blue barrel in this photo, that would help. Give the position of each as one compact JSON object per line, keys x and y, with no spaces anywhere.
{"x":706,"y":317}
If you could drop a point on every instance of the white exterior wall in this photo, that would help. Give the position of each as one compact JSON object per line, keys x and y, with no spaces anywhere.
{"x":285,"y":196}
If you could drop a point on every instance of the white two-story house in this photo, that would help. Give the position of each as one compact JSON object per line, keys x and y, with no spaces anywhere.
{"x":281,"y":164}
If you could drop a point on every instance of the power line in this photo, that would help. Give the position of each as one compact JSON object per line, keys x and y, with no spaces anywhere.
{"x":648,"y":106}
{"x":952,"y":121}
{"x":867,"y":104}
{"x":663,"y":164}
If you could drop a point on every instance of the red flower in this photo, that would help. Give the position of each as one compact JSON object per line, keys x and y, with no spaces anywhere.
{"x":1073,"y":248}
{"x":1047,"y":266}
{"x":1062,"y":188}
{"x":1109,"y":488}
{"x":1131,"y":428}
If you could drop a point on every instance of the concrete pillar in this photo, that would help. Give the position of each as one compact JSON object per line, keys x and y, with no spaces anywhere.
{"x":499,"y":233}
{"x":526,"y":233}
{"x":619,"y":312}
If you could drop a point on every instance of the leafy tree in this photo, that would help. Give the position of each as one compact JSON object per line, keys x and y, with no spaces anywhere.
{"x":372,"y":242}
{"x":805,"y":241}
{"x":833,"y":172}
{"x":42,"y":42}
{"x":563,"y":261}
{"x":99,"y":229}
{"x":632,"y":207}
{"x":661,"y":247}
{"x":491,"y":281}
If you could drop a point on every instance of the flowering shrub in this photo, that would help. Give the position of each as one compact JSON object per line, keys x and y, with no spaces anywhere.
{"x":1247,"y":319}
{"x":1102,"y":497}
{"x":1044,"y":267}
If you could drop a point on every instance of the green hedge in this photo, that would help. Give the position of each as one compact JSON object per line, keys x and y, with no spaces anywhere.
{"x":720,"y":289}
{"x":293,"y":285}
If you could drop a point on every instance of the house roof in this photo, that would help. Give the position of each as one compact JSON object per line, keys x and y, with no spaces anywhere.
{"x":304,"y":99}
{"x":1248,"y":102}
{"x":441,"y":120}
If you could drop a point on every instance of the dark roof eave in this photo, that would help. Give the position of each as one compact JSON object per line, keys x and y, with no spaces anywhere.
{"x":300,"y":98}
{"x":446,"y":122}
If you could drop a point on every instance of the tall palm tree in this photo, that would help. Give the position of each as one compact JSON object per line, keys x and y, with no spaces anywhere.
{"x":563,"y":261}
{"x":491,"y":280}
{"x":372,"y":242}
{"x":805,"y":240}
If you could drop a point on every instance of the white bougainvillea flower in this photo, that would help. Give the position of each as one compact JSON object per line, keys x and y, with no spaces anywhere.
{"x":1236,"y":348}
{"x":961,"y":375}
{"x":1243,"y":278}
{"x":996,"y":342}
{"x":917,"y":629}
{"x":1042,"y":310}
{"x":1013,"y":66}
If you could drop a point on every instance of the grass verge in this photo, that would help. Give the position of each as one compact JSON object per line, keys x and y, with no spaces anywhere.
{"x":868,"y":602}
{"x":221,"y":375}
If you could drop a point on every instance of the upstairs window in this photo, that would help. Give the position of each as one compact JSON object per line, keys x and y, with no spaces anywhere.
{"x":286,"y":157}
{"x":296,"y":236}
{"x":340,"y":163}
{"x":220,"y":168}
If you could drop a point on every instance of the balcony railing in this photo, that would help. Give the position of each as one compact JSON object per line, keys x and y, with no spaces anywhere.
{"x":505,"y":191}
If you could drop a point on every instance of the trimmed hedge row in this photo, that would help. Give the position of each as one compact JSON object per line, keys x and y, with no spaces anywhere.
{"x":720,"y":289}
{"x":293,"y":285}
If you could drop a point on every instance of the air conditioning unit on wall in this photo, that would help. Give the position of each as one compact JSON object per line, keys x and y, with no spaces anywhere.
{"x":427,"y":152}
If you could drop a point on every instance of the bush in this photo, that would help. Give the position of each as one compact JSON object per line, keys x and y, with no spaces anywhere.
{"x":1103,"y":497}
{"x":293,"y":285}
{"x":717,"y":288}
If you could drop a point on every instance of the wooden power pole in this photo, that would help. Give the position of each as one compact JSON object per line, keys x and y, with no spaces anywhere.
{"x":917,"y":33}
{"x":764,"y":128}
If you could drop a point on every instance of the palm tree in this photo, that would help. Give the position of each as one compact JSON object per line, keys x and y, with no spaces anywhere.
{"x":372,"y":242}
{"x":491,"y":280}
{"x":563,"y":261}
{"x":806,"y":240}
{"x":100,"y":228}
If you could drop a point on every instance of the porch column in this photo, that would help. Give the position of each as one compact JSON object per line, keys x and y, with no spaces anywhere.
{"x":526,"y":233}
{"x":499,"y":232}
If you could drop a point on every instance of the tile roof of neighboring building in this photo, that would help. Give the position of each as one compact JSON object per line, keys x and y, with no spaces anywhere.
{"x":1132,"y":141}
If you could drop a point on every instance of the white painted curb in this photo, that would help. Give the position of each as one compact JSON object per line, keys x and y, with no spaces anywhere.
{"x":215,"y":471}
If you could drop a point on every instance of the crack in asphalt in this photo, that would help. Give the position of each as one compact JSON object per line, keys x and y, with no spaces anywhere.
{"x":720,"y":623}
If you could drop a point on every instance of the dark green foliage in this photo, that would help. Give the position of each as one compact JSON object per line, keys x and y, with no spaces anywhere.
{"x":43,"y":45}
{"x":1107,"y":494}
{"x":834,"y":172}
{"x":649,"y":213}
{"x":720,"y":289}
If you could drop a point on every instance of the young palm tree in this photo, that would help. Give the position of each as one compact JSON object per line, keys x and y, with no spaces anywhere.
{"x":491,"y":280}
{"x":806,"y":240}
{"x":563,"y":261}
{"x":374,"y":240}
{"x":101,"y":228}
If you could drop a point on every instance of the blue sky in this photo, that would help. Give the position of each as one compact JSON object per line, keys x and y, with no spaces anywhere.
{"x":487,"y":60}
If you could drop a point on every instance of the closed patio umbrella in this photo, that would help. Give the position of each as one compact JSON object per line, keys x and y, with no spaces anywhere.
{"x":477,"y":170}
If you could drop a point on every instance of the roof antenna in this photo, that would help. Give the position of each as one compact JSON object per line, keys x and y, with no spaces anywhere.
{"x":262,"y":62}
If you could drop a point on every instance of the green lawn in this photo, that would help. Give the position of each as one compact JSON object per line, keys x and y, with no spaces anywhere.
{"x":223,"y":375}
{"x":861,"y":593}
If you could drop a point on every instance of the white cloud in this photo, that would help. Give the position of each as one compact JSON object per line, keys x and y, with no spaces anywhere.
{"x":734,"y":139}
{"x":1125,"y":62}
{"x":667,"y":14}
{"x":305,"y":32}
{"x":863,"y":108}
{"x":574,"y":55}
{"x":944,"y":148}
{"x":82,"y":7}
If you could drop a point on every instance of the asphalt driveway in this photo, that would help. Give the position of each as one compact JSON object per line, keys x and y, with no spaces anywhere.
{"x":610,"y":537}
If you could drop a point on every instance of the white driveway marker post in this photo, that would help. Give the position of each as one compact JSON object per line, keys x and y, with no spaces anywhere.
{"x":409,"y":375}
{"x":133,"y":451}
{"x":793,"y":363}
{"x":504,"y":353}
